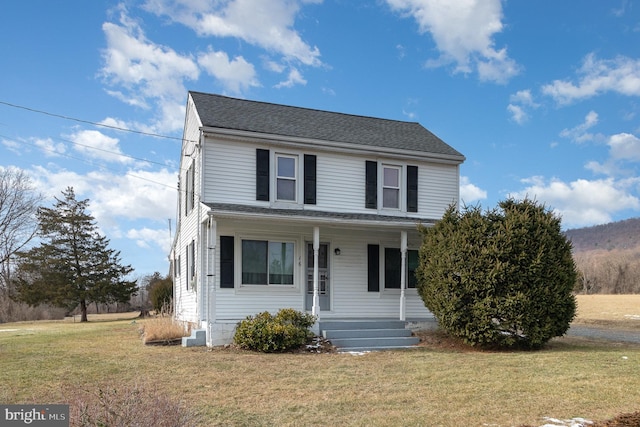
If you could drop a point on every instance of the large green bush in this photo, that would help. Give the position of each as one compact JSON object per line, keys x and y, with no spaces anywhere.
{"x":501,"y":278}
{"x":287,"y":330}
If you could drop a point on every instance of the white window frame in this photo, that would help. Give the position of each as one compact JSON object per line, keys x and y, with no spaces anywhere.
{"x":268,"y":285}
{"x":295,"y":178}
{"x":190,"y":190}
{"x":191,"y":265}
{"x":399,"y":188}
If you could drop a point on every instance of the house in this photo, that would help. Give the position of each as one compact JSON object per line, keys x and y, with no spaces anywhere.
{"x":288,"y":207}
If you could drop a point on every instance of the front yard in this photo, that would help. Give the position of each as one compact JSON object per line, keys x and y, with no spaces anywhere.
{"x":437,"y":384}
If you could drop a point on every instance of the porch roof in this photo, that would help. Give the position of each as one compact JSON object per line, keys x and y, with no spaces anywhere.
{"x":227,"y":210}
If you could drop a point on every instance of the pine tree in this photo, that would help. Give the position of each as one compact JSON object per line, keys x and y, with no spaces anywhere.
{"x":73,"y":266}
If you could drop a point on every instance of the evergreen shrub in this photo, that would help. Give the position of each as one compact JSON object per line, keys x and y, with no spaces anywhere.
{"x":288,"y":329}
{"x":503,"y":278}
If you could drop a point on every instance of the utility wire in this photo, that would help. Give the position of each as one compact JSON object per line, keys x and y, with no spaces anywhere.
{"x":60,"y":116}
{"x":89,"y":162}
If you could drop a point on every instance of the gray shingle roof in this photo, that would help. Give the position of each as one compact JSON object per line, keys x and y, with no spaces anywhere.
{"x":253,"y":116}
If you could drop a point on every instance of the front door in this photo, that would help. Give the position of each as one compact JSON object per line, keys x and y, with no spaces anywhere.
{"x":323,"y":277}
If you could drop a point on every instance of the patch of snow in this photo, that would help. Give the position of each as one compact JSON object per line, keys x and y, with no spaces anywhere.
{"x":573,"y":422}
{"x":632,"y":316}
{"x":8,"y":330}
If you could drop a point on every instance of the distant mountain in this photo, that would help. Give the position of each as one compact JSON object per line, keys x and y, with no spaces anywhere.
{"x":615,"y":235}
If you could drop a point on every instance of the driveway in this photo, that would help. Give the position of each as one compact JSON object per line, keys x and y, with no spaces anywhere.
{"x":604,"y":334}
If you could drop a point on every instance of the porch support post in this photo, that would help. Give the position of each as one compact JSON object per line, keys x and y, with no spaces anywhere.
{"x":211,"y":270}
{"x":315,"y":310}
{"x":403,"y":273}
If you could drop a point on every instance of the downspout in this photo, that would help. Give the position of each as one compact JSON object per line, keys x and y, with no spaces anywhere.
{"x":403,"y":273}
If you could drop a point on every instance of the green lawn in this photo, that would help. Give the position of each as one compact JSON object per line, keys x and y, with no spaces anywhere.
{"x":435,"y":385}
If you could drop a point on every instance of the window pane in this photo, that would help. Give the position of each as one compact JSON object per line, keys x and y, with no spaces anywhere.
{"x":392,"y":268}
{"x":412,"y":261}
{"x":280,"y":263}
{"x":254,"y":262}
{"x":390,"y":198}
{"x":286,"y":189}
{"x":391,"y":177}
{"x":286,"y":167}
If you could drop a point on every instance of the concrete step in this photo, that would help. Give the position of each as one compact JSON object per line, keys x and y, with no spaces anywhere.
{"x":326,"y":325}
{"x":198,"y":338}
{"x":346,"y":344}
{"x":370,"y":349}
{"x":365,"y":333}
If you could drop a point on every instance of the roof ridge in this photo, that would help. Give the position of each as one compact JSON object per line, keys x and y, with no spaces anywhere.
{"x":304,"y":108}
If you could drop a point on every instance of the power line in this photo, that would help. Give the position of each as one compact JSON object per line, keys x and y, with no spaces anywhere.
{"x":89,"y":162}
{"x":115,"y":153}
{"x":60,"y":116}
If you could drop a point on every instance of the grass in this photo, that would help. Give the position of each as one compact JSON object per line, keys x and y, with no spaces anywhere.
{"x":436,"y":385}
{"x":617,"y":311}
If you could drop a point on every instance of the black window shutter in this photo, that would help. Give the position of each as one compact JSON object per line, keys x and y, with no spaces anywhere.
{"x":412,"y":189}
{"x":262,"y":174}
{"x":226,"y":261}
{"x":371,"y":185}
{"x":373,"y":268}
{"x":309,"y":179}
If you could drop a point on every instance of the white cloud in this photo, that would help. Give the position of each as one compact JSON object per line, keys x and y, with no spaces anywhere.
{"x":146,"y":71}
{"x":269,"y":25}
{"x":97,"y":145}
{"x":624,"y":146}
{"x":113,"y":197}
{"x":579,"y":133}
{"x":597,"y":76}
{"x":624,"y":150}
{"x":236,"y":75}
{"x":463,"y":32}
{"x":469,"y":192}
{"x":582,"y":202}
{"x":523,"y":97}
{"x":519,"y":103}
{"x":518,"y":114}
{"x":294,"y":78}
{"x":13,"y":146}
{"x":49,"y":147}
{"x":147,"y":237}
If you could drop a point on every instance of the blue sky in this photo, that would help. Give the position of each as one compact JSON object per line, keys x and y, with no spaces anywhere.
{"x":543,"y":98}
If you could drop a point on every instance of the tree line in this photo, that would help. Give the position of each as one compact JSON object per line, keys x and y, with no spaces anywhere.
{"x":615,"y":271}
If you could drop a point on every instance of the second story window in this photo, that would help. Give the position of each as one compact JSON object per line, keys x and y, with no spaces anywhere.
{"x":286,"y":178}
{"x":391,"y":187}
{"x":190,"y":190}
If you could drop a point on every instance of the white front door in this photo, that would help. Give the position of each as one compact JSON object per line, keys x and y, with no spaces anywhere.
{"x":323,"y":277}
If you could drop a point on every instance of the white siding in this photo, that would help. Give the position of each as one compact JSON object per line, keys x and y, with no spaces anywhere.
{"x":348,"y":275}
{"x":438,"y":187}
{"x":186,"y":304}
{"x":230,"y":173}
{"x":230,"y":177}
